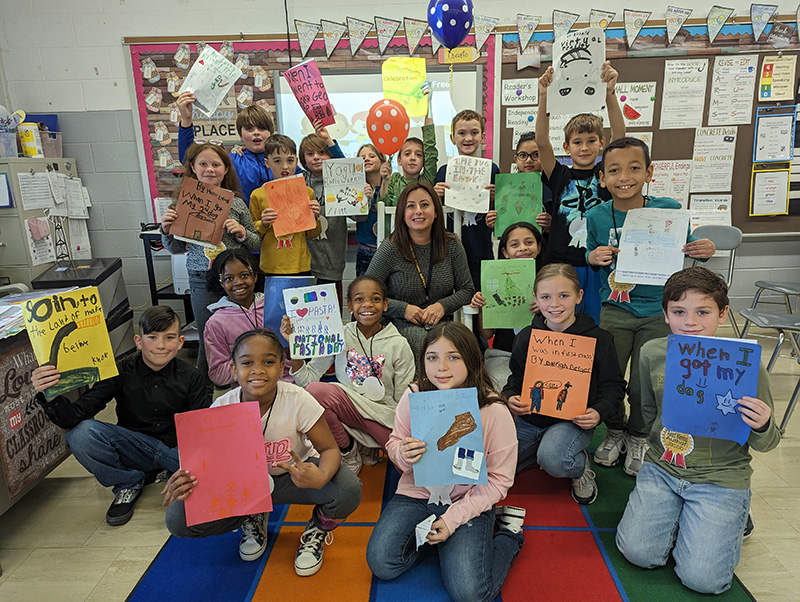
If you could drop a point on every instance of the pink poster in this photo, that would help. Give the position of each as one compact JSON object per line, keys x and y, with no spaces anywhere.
{"x":306,"y":83}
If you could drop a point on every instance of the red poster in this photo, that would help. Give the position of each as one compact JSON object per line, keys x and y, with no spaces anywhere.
{"x":306,"y":83}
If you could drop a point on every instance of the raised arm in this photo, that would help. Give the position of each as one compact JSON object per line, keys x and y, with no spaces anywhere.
{"x":547,"y":156}
{"x":609,"y":76}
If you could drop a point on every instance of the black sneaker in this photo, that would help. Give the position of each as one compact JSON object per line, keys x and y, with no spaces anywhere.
{"x":121,"y":509}
{"x":254,"y":538}
{"x":748,"y":528}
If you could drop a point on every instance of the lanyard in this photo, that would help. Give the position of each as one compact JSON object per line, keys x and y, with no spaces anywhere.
{"x":255,"y":315}
{"x":425,"y":283}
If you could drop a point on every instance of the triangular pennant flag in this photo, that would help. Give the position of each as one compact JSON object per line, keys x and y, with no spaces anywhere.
{"x":715,"y":20}
{"x":357,"y":31}
{"x":600,"y":18}
{"x":306,"y":33}
{"x":675,"y":18}
{"x":760,"y":14}
{"x":435,"y":44}
{"x":332,"y":32}
{"x":526,"y":25}
{"x":484,"y":26}
{"x":634,"y":21}
{"x":563,"y":22}
{"x":780,"y":35}
{"x":386,"y":29}
{"x":414,"y":29}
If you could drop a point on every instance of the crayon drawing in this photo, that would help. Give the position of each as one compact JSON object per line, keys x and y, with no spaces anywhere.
{"x":289,"y":197}
{"x":507,"y":287}
{"x":577,"y":60}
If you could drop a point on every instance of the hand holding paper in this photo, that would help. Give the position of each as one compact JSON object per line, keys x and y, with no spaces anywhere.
{"x":178,"y":487}
{"x":422,"y":530}
{"x":439,"y":532}
{"x":411,"y":449}
{"x":755,"y":412}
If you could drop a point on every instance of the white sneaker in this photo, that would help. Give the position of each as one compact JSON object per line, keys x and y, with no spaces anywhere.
{"x":352,"y":459}
{"x":637,"y":448}
{"x":584,"y":488}
{"x":510,"y":517}
{"x":254,"y":538}
{"x":312,"y":546}
{"x":370,"y":456}
{"x":608,"y":452}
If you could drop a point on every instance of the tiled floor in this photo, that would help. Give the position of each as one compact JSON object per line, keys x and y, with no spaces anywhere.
{"x":55,"y":545}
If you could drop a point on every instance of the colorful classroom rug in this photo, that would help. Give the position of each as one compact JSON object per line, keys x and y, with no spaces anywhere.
{"x":569,"y":554}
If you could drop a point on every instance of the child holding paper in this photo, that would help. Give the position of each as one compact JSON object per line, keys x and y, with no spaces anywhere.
{"x":378,"y":171}
{"x":474,"y":561}
{"x":695,"y":509}
{"x":632,"y":313}
{"x":287,"y":255}
{"x":304,"y":462}
{"x":559,"y":446}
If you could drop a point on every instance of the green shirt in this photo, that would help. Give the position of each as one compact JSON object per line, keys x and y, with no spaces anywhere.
{"x":430,"y":162}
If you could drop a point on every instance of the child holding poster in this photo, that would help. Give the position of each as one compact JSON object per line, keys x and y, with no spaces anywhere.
{"x":474,"y":561}
{"x":559,"y":446}
{"x":378,"y":171}
{"x":304,"y":462}
{"x":692,"y":494}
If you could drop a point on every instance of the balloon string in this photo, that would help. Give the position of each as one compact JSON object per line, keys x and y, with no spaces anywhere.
{"x":450,"y":83}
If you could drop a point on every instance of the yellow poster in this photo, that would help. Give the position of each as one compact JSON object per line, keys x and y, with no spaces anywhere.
{"x":402,"y":77}
{"x":69,"y":331}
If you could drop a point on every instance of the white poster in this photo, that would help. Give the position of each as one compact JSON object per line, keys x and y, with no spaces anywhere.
{"x":468,"y":178}
{"x":712,"y":160}
{"x":671,"y":179}
{"x":578,"y":58}
{"x":760,"y":14}
{"x":306,"y":34}
{"x":209,"y":80}
{"x":525,"y":121}
{"x":646,"y":137}
{"x":484,"y":26}
{"x":357,"y":30}
{"x":774,"y":136}
{"x":777,"y":78}
{"x":638,"y":101}
{"x":35,"y":191}
{"x":344,"y":181}
{"x":332,"y":33}
{"x":684,"y":95}
{"x":711,"y":210}
{"x":770,"y":193}
{"x":520,"y":91}
{"x":75,"y":202}
{"x":414,"y":29}
{"x":521,"y":118}
{"x":732,"y":90}
{"x":316,"y":321}
{"x":80,"y":247}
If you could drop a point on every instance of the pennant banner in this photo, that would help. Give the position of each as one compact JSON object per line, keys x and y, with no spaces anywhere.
{"x":563,"y":22}
{"x":600,"y":18}
{"x":414,"y":29}
{"x":715,"y":20}
{"x":435,"y":44}
{"x":386,"y":29}
{"x":357,"y":31}
{"x":760,"y":14}
{"x":780,"y":35}
{"x":332,"y":33}
{"x":306,"y":33}
{"x":675,"y":18}
{"x":526,"y":25}
{"x":484,"y":26}
{"x":634,"y":21}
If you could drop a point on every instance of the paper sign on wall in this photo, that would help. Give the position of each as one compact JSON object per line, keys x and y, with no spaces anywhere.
{"x":780,"y":36}
{"x":671,"y":179}
{"x":634,"y":22}
{"x":637,"y":101}
{"x":414,"y":29}
{"x":401,"y":78}
{"x":202,"y":211}
{"x":209,"y":80}
{"x":777,"y":78}
{"x":224,"y":449}
{"x":760,"y":14}
{"x":646,"y":137}
{"x":732,"y":86}
{"x":711,"y":210}
{"x":468,"y":178}
{"x":357,"y":32}
{"x":507,"y":287}
{"x":306,"y":34}
{"x":40,"y":241}
{"x":563,"y":22}
{"x":316,"y":321}
{"x":521,"y":118}
{"x":684,"y":94}
{"x":769,"y":189}
{"x":600,"y":18}
{"x":449,"y":422}
{"x":675,"y":18}
{"x":715,"y":20}
{"x":518,"y":198}
{"x":712,"y":159}
{"x":526,"y":25}
{"x":520,"y":91}
{"x":306,"y":83}
{"x":68,"y":330}
{"x":774,"y":137}
{"x":558,"y":373}
{"x":704,"y":379}
{"x":386,"y":28}
{"x":344,"y":181}
{"x":484,"y":26}
{"x":332,"y":33}
{"x":289,"y":197}
{"x":577,"y":60}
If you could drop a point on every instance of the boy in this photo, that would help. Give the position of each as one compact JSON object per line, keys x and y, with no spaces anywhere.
{"x":288,"y":255}
{"x":577,"y":189}
{"x":698,"y":509}
{"x":468,"y":134}
{"x":635,"y":317}
{"x":152,"y":386}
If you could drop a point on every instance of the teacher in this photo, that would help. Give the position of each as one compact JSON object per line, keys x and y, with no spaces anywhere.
{"x":423,"y":266}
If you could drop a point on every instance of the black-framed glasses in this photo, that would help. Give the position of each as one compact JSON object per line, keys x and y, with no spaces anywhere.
{"x":523,"y":156}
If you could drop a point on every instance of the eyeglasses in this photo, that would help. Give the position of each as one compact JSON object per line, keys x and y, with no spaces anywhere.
{"x":214,"y":142}
{"x":523,"y":156}
{"x":242,"y":276}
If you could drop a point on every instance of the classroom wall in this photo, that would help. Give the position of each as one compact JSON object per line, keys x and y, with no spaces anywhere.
{"x":67,"y":58}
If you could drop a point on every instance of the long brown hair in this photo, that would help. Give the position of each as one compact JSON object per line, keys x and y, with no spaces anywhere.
{"x":467,"y":346}
{"x":229,"y":182}
{"x":440,"y":237}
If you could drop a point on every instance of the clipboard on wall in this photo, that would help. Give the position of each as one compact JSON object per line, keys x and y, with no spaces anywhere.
{"x":775,"y":134}
{"x":769,"y":189}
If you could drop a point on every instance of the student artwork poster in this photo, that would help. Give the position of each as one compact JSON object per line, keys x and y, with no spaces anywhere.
{"x":468,"y":178}
{"x":578,"y":58}
{"x":316,"y":321}
{"x":276,"y":309}
{"x":202,"y":210}
{"x":449,"y":422}
{"x":517,"y":198}
{"x":289,"y":198}
{"x":306,"y":83}
{"x":558,"y":373}
{"x":703,"y":381}
{"x":507,"y":286}
{"x":210,"y":79}
{"x":344,"y":181}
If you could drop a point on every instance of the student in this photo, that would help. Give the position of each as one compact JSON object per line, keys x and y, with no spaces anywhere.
{"x":378,"y":171}
{"x":241,"y":308}
{"x":210,"y":164}
{"x":374,"y":369}
{"x":309,"y":473}
{"x":468,"y":134}
{"x":634,"y":317}
{"x":287,"y":255}
{"x":254,"y":125}
{"x":576,"y":189}
{"x":474,"y":562}
{"x":519,"y":241}
{"x":151,"y":387}
{"x":559,"y":446}
{"x":695,"y":511}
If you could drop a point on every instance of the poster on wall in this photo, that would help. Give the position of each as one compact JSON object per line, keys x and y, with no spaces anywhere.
{"x":732,"y":90}
{"x":684,"y":95}
{"x":712,"y":159}
{"x":671,"y":179}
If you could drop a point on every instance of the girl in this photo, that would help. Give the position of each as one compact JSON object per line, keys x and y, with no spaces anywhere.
{"x":474,"y":562}
{"x":519,"y":241}
{"x":559,"y":446}
{"x":241,"y":308}
{"x":308,"y":474}
{"x":378,"y":171}
{"x":371,"y":379}
{"x":210,"y":164}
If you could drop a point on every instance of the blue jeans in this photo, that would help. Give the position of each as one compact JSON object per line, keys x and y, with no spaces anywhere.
{"x":119,"y":457}
{"x":474,"y":562}
{"x":201,"y":298}
{"x":557,"y":449}
{"x":701,"y":524}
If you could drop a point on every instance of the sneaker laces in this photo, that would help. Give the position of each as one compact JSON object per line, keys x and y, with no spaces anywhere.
{"x":126,"y":496}
{"x":250,"y":528}
{"x":612,"y":439}
{"x":637,"y":447}
{"x":312,"y":539}
{"x":586,"y":478}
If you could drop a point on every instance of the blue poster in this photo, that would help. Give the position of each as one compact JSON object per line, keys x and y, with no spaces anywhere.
{"x":704,"y":379}
{"x":274,"y":307}
{"x":449,"y":422}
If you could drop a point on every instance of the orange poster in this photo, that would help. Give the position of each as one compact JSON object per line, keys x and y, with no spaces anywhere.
{"x":289,"y":197}
{"x":557,"y":373}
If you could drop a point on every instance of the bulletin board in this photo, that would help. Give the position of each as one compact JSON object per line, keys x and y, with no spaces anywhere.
{"x":645,"y":63}
{"x":154,"y":99}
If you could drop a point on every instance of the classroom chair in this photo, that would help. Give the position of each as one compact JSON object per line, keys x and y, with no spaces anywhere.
{"x":784,"y":288}
{"x":725,"y":238}
{"x":784,"y":324}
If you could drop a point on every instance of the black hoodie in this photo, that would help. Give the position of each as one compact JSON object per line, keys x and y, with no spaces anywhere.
{"x":607,"y":387}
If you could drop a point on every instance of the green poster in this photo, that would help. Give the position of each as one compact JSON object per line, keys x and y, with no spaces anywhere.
{"x":507,"y":287}
{"x":517,"y":198}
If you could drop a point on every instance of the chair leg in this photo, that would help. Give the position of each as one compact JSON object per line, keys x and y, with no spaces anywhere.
{"x":790,"y":408}
{"x":734,"y":325}
{"x":781,"y":337}
{"x":788,"y":303}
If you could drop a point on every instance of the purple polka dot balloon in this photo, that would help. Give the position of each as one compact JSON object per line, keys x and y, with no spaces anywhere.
{"x":450,"y":21}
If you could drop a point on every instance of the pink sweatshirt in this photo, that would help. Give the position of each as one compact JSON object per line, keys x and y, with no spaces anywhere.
{"x":468,"y":500}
